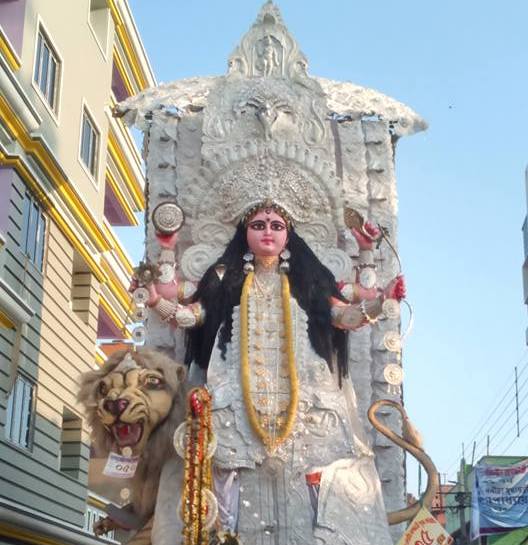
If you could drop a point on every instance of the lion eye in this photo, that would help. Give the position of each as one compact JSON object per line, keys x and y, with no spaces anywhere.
{"x":102,"y":388}
{"x":153,"y":382}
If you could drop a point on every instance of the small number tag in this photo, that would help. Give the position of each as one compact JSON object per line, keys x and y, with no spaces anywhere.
{"x":121,"y":467}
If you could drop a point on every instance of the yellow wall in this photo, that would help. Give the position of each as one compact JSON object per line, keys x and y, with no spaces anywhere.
{"x":85,"y":80}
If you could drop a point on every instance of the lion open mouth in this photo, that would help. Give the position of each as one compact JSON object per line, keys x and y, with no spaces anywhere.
{"x":127,"y":435}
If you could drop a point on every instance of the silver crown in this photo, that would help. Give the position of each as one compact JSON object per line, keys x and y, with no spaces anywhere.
{"x":271,"y":179}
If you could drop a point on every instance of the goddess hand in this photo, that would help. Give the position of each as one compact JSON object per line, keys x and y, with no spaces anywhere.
{"x":134,"y":285}
{"x":154,"y":296}
{"x":396,"y":289}
{"x":167,"y":241}
{"x":185,"y":317}
{"x":366,"y":238}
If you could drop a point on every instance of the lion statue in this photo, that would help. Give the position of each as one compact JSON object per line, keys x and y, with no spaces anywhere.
{"x":133,"y":404}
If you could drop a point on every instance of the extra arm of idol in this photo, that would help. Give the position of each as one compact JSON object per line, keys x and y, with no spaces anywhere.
{"x":351,"y":316}
{"x":184,"y":316}
{"x":353,"y":291}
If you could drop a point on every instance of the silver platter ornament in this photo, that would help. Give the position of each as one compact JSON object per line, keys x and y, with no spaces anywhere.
{"x":391,"y":309}
{"x":139,"y":334}
{"x":367,"y":278}
{"x":140,"y":313}
{"x":140,"y":296}
{"x":393,"y":374}
{"x":167,"y":273}
{"x":209,"y":499}
{"x":168,"y":217}
{"x":180,"y":439}
{"x":392,"y":341}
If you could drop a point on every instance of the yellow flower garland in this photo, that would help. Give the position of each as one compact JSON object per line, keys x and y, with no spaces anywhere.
{"x":270,"y":442}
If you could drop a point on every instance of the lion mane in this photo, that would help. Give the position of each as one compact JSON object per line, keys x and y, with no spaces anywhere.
{"x":158,"y":447}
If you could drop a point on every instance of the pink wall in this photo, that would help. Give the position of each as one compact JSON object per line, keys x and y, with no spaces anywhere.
{"x":6,"y":180}
{"x":12,"y":21}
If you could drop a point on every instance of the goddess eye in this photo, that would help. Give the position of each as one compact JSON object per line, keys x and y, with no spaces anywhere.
{"x":257,"y":226}
{"x":277,"y":226}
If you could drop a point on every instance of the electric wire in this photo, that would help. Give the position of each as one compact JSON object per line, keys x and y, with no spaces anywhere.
{"x":512,"y":400}
{"x":503,"y":434}
{"x":519,"y":434}
{"x":456,"y":461}
{"x":514,"y":439}
{"x":514,"y":427}
{"x":498,"y":407}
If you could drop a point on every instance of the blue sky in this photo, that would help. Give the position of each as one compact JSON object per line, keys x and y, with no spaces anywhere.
{"x":462,"y":66}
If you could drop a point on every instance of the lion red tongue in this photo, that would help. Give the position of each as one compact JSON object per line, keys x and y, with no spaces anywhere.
{"x":128,"y":434}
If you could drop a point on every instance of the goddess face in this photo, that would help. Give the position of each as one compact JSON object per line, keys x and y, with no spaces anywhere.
{"x":267,"y":233}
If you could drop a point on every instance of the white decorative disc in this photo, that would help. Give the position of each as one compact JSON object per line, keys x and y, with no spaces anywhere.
{"x":197,"y":259}
{"x":212,"y":233}
{"x":139,"y":334}
{"x":167,"y":273}
{"x":391,"y":309}
{"x":127,"y":451}
{"x":140,"y":296}
{"x":212,"y":508}
{"x":168,"y":217}
{"x":140,"y":314}
{"x":124,"y":494}
{"x":337,"y":261}
{"x":367,"y":277}
{"x":180,"y":437}
{"x":347,"y":291}
{"x":393,"y":374}
{"x":318,"y":232}
{"x":392,"y":341}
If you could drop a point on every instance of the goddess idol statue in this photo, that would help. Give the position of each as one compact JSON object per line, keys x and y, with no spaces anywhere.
{"x":267,"y":285}
{"x":292,"y":464}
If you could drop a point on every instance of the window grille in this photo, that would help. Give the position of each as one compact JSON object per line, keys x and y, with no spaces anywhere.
{"x":33,"y":231}
{"x":19,"y":415}
{"x":47,"y":68}
{"x":89,"y":143}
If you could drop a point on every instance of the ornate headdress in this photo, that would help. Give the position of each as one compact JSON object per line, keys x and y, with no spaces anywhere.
{"x":268,"y":204}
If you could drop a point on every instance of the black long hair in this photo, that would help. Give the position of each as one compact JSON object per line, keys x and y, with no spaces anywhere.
{"x":311,"y":283}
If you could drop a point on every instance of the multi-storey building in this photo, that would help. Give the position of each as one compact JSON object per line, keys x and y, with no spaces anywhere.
{"x":69,"y":173}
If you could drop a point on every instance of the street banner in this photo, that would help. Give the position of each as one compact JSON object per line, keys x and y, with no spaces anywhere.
{"x":425,"y":530}
{"x":499,"y":499}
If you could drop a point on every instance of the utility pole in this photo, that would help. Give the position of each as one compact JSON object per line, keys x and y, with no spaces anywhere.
{"x":461,"y":499}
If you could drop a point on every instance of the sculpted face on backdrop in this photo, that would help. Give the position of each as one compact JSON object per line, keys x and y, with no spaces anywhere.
{"x":262,"y":274}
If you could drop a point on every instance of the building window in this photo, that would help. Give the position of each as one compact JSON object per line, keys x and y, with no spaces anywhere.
{"x":33,"y":231}
{"x":91,"y":516}
{"x":89,"y":143}
{"x":47,"y":70}
{"x":19,"y":415}
{"x":99,"y":21}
